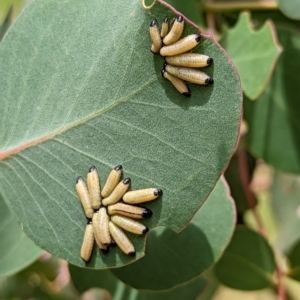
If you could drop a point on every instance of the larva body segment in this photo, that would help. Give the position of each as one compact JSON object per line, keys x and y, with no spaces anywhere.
{"x":84,"y":197}
{"x":98,"y":233}
{"x":164,"y":28}
{"x":88,"y":243}
{"x":102,"y":220}
{"x":140,"y":196}
{"x":117,"y":193}
{"x":189,"y":60}
{"x":112,"y":181}
{"x":129,"y":224}
{"x":189,"y":74}
{"x":93,"y":185}
{"x":155,"y":36}
{"x":179,"y":84}
{"x":121,"y":239}
{"x":185,"y":44}
{"x":135,"y":212}
{"x":175,"y":32}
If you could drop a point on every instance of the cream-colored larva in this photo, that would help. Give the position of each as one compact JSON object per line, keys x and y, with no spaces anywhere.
{"x":135,"y":212}
{"x":117,"y":193}
{"x":97,"y":232}
{"x":164,"y":28}
{"x":179,"y":84}
{"x":112,"y":181}
{"x":129,"y":224}
{"x":189,"y":74}
{"x":102,"y":219}
{"x":93,"y":185}
{"x":187,"y":43}
{"x":155,"y":37}
{"x":140,"y":196}
{"x":175,"y":33}
{"x":84,"y":197}
{"x":88,"y":243}
{"x":189,"y":60}
{"x":121,"y":239}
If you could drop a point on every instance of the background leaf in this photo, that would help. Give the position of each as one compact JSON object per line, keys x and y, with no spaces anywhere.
{"x":253,"y":52}
{"x":248,"y":262}
{"x":84,"y":279}
{"x":273,"y":119}
{"x":17,"y":251}
{"x":294,"y":260}
{"x":291,"y":8}
{"x":81,"y":88}
{"x":285,"y":195}
{"x":172,"y":259}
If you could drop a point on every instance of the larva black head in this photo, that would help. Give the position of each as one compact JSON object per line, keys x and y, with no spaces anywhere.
{"x":165,"y":64}
{"x":209,"y":80}
{"x":198,"y":37}
{"x":153,"y":23}
{"x":126,"y":181}
{"x":131,"y":253}
{"x":118,"y":168}
{"x":180,"y":18}
{"x":166,"y":20}
{"x":163,"y":73}
{"x":210,"y":60}
{"x":105,"y":251}
{"x":158,"y":192}
{"x":89,"y":221}
{"x":92,"y":168}
{"x":79,"y":179}
{"x":187,"y":94}
{"x":145,"y":230}
{"x":147,"y":213}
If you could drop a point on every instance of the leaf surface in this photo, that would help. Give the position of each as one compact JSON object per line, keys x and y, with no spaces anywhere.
{"x":81,"y":88}
{"x":253,"y":52}
{"x":172,"y":259}
{"x":17,"y":251}
{"x":248,"y":262}
{"x":274,"y":122}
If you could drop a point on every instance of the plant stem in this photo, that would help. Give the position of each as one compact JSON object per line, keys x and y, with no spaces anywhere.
{"x":242,"y":5}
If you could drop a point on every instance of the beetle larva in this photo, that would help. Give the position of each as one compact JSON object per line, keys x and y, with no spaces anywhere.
{"x":112,"y":181}
{"x":140,"y":196}
{"x":117,"y":193}
{"x":185,"y":44}
{"x":97,"y":232}
{"x":129,"y":224}
{"x":84,"y":197}
{"x":164,"y":28}
{"x":131,"y":211}
{"x":179,"y":84}
{"x":155,"y":37}
{"x":190,"y":60}
{"x":121,"y":239}
{"x":88,"y":243}
{"x":93,"y":184}
{"x":175,"y":32}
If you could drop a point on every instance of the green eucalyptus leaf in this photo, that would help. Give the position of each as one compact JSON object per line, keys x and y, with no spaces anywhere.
{"x":253,"y":52}
{"x":248,"y":262}
{"x":294,"y":259}
{"x":291,"y":8}
{"x":80,"y":87}
{"x":274,"y":119}
{"x":84,"y":279}
{"x":17,"y":251}
{"x":172,"y":259}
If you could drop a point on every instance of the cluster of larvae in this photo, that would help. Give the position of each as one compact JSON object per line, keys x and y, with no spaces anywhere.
{"x":107,"y":215}
{"x":179,"y":65}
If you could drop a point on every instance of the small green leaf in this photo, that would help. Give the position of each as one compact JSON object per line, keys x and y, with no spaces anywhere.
{"x":285,"y":195}
{"x":248,"y":262}
{"x":81,"y":88}
{"x":274,"y":120}
{"x":294,"y":259}
{"x":253,"y":52}
{"x":291,"y":8}
{"x":17,"y":251}
{"x":85,"y":279}
{"x":172,"y":259}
